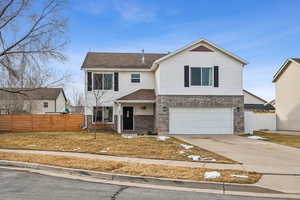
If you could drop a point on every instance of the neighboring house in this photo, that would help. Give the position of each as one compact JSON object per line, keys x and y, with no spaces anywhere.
{"x":255,"y":103}
{"x":34,"y":101}
{"x":287,"y":95}
{"x":196,"y":89}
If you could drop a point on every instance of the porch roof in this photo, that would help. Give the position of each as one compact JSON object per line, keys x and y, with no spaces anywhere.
{"x":142,"y":95}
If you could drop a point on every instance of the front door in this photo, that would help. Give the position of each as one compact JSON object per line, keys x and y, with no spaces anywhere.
{"x":127,"y":118}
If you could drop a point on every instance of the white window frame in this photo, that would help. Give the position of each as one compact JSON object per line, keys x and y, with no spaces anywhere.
{"x":140,"y":80}
{"x":113,"y":83}
{"x":201,"y":85}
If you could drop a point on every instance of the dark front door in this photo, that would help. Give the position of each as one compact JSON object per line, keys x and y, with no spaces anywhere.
{"x":127,"y":118}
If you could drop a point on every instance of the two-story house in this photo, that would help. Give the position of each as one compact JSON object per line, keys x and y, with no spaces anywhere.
{"x":196,"y":89}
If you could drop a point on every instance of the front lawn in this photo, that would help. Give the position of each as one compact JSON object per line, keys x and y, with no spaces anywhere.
{"x":289,"y":140}
{"x":136,"y":169}
{"x":107,"y":144}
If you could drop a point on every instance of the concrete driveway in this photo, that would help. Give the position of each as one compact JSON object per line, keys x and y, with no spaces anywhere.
{"x":256,"y":155}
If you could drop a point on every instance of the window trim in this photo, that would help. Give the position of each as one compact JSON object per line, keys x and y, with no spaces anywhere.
{"x":201,"y":85}
{"x":103,"y":108}
{"x":140,"y":80}
{"x":112,"y":82}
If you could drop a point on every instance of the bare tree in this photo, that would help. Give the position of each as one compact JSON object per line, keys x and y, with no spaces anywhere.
{"x":31,"y":34}
{"x":100,"y":98}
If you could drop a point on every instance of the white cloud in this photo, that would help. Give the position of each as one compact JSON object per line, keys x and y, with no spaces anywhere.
{"x":135,"y":12}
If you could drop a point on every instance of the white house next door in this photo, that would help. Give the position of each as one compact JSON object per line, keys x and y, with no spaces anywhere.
{"x":201,"y":121}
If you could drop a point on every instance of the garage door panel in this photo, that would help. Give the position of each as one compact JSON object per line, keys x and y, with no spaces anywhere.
{"x":201,"y":121}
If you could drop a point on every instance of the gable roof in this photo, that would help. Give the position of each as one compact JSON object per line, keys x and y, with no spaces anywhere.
{"x":284,"y":67}
{"x":155,"y":64}
{"x":120,"y":60}
{"x":255,"y":96}
{"x":142,"y":94}
{"x":32,"y":94}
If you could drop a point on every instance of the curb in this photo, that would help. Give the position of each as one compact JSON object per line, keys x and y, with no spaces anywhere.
{"x":146,"y":180}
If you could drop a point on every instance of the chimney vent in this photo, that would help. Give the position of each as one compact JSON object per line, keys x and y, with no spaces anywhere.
{"x":143,"y":56}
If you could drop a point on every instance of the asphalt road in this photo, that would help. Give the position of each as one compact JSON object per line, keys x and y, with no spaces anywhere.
{"x":30,"y":186}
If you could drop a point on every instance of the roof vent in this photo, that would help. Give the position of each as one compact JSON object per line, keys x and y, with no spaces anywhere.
{"x":143,"y":56}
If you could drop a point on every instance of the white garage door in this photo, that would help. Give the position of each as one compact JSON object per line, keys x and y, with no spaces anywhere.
{"x":201,"y":121}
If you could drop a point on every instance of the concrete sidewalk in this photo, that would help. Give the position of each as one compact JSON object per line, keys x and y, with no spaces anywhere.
{"x":282,"y":183}
{"x":135,"y":160}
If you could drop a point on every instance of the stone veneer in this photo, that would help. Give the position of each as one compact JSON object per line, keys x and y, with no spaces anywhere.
{"x":144,"y":123}
{"x":164,"y":102}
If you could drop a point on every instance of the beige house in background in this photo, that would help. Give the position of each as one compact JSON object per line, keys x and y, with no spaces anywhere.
{"x":37,"y":101}
{"x":287,"y":87}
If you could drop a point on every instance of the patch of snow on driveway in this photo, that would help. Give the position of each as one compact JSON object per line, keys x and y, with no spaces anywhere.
{"x":255,"y":137}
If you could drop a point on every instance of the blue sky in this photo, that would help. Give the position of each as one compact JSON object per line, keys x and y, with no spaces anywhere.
{"x":264,"y":32}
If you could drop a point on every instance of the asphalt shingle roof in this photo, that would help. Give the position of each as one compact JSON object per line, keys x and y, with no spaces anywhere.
{"x":32,"y":94}
{"x":120,"y":60}
{"x":142,"y":94}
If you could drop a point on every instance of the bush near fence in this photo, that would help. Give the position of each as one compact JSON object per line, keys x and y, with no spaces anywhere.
{"x":41,"y":122}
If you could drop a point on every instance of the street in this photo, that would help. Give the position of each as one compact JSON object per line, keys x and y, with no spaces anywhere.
{"x":30,"y":186}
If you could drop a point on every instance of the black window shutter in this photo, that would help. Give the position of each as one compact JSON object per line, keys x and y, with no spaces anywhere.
{"x":89,"y":81}
{"x":116,"y":81}
{"x":186,"y":76}
{"x":216,"y":76}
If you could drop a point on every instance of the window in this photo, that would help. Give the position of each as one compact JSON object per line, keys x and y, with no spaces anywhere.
{"x":201,"y":76}
{"x":135,"y":78}
{"x":107,"y":81}
{"x":103,"y":81}
{"x":45,"y":104}
{"x":103,"y":114}
{"x":98,"y":81}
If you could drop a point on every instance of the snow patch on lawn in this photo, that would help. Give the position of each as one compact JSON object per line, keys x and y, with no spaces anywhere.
{"x":239,"y":176}
{"x":162,"y":138}
{"x":185,"y":146}
{"x":212,"y":174}
{"x":181,"y":152}
{"x":127,"y":136}
{"x":104,"y":150}
{"x":255,"y":137}
{"x":194,"y":157}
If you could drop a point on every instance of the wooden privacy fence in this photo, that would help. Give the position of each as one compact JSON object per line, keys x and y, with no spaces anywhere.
{"x":43,"y":122}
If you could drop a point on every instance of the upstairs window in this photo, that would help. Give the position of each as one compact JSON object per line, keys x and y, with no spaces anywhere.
{"x":201,"y":76}
{"x":45,"y":104}
{"x":135,"y":78}
{"x":103,"y":81}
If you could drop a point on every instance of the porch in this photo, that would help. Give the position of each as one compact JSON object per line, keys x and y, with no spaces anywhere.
{"x":135,"y":113}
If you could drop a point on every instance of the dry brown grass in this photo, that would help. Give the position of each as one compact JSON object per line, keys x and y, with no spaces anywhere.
{"x":137,"y":169}
{"x":140,"y":147}
{"x":289,"y":140}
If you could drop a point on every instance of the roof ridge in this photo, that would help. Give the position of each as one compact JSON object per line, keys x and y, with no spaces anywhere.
{"x":108,"y":52}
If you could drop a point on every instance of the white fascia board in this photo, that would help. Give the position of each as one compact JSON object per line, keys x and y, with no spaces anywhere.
{"x":135,"y":101}
{"x":117,"y":69}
